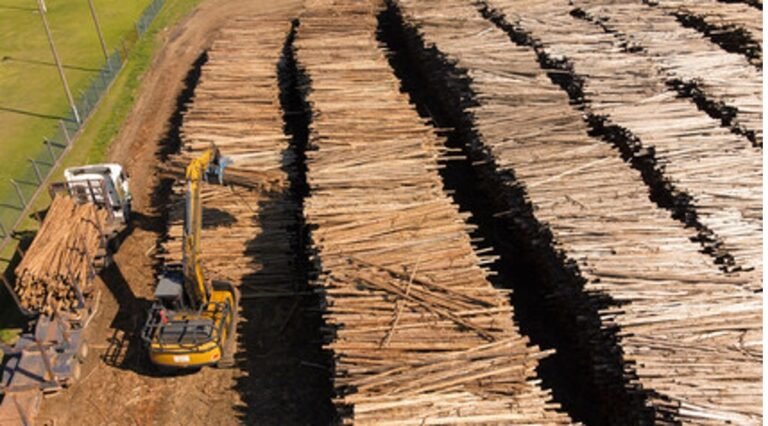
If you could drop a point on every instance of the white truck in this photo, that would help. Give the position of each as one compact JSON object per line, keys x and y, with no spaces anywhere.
{"x":90,"y":184}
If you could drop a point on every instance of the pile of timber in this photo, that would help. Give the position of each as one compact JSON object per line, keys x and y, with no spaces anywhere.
{"x":689,"y":336}
{"x":720,"y":171}
{"x":236,"y":106}
{"x":56,"y":273}
{"x":738,"y":23}
{"x":252,"y":226}
{"x":687,"y":55}
{"x":418,"y":333}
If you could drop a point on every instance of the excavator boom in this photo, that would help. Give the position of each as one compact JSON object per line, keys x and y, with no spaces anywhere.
{"x":198,"y":170}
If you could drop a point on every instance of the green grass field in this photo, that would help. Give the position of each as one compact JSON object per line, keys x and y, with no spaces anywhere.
{"x":104,"y":122}
{"x":32,"y":98}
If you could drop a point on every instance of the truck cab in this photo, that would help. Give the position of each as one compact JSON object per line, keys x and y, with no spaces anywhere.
{"x":106,"y":185}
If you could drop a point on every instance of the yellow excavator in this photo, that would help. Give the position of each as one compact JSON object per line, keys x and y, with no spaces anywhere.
{"x":192,"y":322}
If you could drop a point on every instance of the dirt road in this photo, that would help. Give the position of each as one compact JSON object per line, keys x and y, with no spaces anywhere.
{"x":117,"y":387}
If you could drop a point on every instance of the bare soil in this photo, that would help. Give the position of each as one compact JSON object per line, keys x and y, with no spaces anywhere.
{"x":117,"y":385}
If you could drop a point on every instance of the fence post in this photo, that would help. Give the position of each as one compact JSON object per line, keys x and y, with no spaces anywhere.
{"x":37,"y":171}
{"x":117,"y":58}
{"x":83,"y":101}
{"x":20,"y":194}
{"x":19,"y":251}
{"x":125,"y":52}
{"x":50,"y":152}
{"x":66,"y":132}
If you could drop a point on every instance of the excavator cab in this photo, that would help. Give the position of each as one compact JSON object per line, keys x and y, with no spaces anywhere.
{"x":181,"y":336}
{"x":192,"y":322}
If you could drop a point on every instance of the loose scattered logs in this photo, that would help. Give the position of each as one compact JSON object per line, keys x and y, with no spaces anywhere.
{"x":57,"y":271}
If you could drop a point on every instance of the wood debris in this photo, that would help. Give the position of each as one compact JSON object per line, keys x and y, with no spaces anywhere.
{"x":57,"y":271}
{"x":418,"y":333}
{"x":688,"y":336}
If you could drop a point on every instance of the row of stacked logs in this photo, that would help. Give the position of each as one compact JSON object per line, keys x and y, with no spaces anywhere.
{"x":419,"y":334}
{"x":655,"y":318}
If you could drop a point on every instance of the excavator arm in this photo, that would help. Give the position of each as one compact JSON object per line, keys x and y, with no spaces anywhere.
{"x":208,"y":166}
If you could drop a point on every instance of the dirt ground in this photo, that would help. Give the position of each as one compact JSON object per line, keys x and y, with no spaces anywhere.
{"x":117,"y":386}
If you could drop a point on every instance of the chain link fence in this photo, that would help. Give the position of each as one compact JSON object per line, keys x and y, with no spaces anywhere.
{"x":24,"y":189}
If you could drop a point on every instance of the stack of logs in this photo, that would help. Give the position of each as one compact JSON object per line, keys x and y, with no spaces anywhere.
{"x":719,"y":171}
{"x":252,"y":231}
{"x":419,"y":334}
{"x":56,"y":273}
{"x":734,"y":23}
{"x":236,"y":106}
{"x":686,"y":55}
{"x":688,"y":336}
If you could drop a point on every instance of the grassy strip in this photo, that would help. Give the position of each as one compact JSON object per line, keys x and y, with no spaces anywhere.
{"x":99,"y":130}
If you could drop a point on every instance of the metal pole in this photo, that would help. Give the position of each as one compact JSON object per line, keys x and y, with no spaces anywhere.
{"x":70,"y":99}
{"x":37,"y":171}
{"x":50,"y":152}
{"x":98,"y":31}
{"x":66,"y":132}
{"x":125,"y":52}
{"x":20,"y":194}
{"x":19,"y":251}
{"x":22,"y":413}
{"x":85,"y":103}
